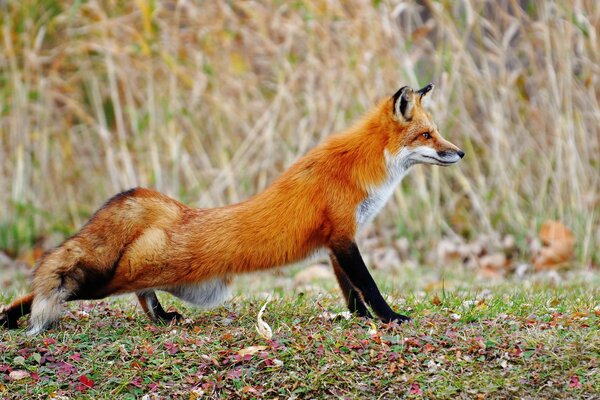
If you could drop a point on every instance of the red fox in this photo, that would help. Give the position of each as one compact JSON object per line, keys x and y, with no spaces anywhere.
{"x":141,"y":241}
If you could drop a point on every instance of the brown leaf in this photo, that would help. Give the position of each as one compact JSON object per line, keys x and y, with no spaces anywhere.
{"x":558,"y":245}
{"x":251,"y":350}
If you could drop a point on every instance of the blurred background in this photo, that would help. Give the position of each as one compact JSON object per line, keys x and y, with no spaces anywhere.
{"x":209,"y":101}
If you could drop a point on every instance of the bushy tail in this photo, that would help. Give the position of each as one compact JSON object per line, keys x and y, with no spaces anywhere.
{"x":50,"y":289}
{"x":53,"y":283}
{"x":9,"y":317}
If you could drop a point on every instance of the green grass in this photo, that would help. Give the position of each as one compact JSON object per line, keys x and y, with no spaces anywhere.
{"x":465,"y":341}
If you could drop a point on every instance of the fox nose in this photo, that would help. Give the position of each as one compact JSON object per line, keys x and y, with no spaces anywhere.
{"x":460,"y":153}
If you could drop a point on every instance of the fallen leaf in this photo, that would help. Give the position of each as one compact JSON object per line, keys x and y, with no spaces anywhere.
{"x":65,"y":368}
{"x":196,"y":394}
{"x":558,"y":245}
{"x":574,"y":383}
{"x":251,"y":350}
{"x":250,"y":389}
{"x":19,"y":360}
{"x":235,"y":373}
{"x":17,"y":375}
{"x":373,"y":329}
{"x":263,"y":329}
{"x":415,"y":388}
{"x":85,"y":384}
{"x":172,"y":348}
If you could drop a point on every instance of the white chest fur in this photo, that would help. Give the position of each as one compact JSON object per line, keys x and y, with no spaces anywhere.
{"x":397,"y":166}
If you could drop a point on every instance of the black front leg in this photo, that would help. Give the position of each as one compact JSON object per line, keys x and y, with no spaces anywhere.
{"x":350,"y":261}
{"x":353,"y":300}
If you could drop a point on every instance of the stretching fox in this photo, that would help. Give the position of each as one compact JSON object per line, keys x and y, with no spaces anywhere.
{"x":141,"y":240}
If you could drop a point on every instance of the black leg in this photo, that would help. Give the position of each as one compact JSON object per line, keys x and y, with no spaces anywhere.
{"x":353,"y":300}
{"x":153,"y":309}
{"x":352,"y":264}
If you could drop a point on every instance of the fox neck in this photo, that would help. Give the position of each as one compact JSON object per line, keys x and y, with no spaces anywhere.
{"x":396,"y":166}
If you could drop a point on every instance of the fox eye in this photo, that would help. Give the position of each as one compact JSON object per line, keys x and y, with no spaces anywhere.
{"x":426,"y":135}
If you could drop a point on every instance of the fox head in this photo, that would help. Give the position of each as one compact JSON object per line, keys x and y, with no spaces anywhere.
{"x":415,"y":138}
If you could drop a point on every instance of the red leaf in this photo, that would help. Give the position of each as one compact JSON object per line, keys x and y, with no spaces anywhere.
{"x":518,"y":351}
{"x":172,"y":348}
{"x":234,"y":373}
{"x":415,"y":388}
{"x":86,"y":383}
{"x":574,"y":383}
{"x":76,"y":357}
{"x":137,"y":382}
{"x":65,"y":368}
{"x":320,"y":350}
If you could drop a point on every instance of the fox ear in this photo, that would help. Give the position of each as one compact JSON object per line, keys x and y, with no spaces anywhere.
{"x":404,"y":103}
{"x":422,"y":93}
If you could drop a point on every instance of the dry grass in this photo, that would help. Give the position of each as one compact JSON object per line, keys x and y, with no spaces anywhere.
{"x":209,"y":101}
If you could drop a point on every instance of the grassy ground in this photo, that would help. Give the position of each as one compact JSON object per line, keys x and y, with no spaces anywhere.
{"x":518,"y":339}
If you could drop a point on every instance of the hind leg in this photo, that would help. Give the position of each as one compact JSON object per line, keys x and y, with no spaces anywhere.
{"x":153,"y":309}
{"x":9,"y":317}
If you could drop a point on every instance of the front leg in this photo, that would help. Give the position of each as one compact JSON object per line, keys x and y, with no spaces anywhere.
{"x":353,"y":300}
{"x":352,"y":264}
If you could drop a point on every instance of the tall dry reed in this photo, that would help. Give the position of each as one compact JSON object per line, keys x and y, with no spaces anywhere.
{"x":209,"y":101}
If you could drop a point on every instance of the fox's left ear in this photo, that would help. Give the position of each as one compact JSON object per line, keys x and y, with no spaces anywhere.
{"x":404,"y":103}
{"x":423,"y":93}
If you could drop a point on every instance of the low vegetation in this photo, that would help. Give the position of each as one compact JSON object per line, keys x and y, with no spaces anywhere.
{"x":521,"y":339}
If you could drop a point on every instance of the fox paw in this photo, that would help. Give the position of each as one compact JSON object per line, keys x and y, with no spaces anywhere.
{"x":398,"y":318}
{"x":170,"y":317}
{"x":7,"y":322}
